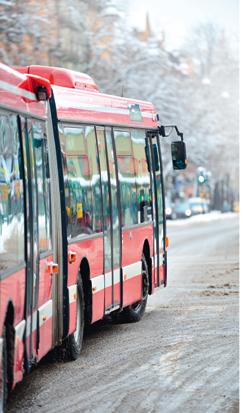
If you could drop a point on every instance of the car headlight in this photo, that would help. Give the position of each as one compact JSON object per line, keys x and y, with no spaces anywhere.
{"x":168,"y":211}
{"x":188,"y":212}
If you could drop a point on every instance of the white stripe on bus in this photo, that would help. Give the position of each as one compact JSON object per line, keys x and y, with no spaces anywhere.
{"x":105,"y":109}
{"x":19,"y":330}
{"x":11,"y":71}
{"x":98,"y":283}
{"x":132,"y":270}
{"x":17,"y":90}
{"x":72,"y":291}
{"x":45,"y":312}
{"x":161,"y":260}
{"x":28,"y":323}
{"x":101,"y":282}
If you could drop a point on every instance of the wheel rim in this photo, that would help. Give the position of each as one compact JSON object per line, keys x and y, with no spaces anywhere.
{"x":78,"y":322}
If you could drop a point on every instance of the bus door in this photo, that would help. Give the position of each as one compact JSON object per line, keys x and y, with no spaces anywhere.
{"x":37,"y":250}
{"x":153,"y":148}
{"x":111,"y":220}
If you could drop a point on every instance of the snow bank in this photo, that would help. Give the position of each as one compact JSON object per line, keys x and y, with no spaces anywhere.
{"x":212,"y":216}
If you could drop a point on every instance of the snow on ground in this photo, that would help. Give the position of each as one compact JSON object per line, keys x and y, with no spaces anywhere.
{"x":183,"y":356}
{"x":211,"y":216}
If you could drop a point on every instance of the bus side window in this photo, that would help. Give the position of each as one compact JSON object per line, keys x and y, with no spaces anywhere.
{"x":81,"y":180}
{"x":11,"y":195}
{"x":76,"y":173}
{"x":97,"y":218}
{"x":142,"y":176}
{"x":126,"y":175}
{"x":43,"y":183}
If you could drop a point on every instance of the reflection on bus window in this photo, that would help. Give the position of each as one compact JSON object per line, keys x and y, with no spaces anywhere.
{"x":126,"y":176}
{"x":43,"y":183}
{"x":142,"y":176}
{"x":95,"y":179}
{"x":11,"y":195}
{"x":105,"y":198}
{"x":114,"y":199}
{"x":81,"y":180}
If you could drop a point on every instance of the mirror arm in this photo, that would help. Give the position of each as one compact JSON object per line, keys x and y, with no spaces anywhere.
{"x":180,"y":134}
{"x":163,"y":133}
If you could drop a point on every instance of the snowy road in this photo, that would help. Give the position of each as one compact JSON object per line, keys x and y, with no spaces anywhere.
{"x":183,"y":355}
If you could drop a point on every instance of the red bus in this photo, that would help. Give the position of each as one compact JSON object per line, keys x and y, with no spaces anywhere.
{"x":82,"y":217}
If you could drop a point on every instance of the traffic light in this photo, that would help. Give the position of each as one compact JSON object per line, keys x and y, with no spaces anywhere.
{"x":201,"y":176}
{"x":201,"y":179}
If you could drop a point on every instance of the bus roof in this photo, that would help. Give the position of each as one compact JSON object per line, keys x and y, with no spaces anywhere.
{"x":78,"y":99}
{"x":17,"y":92}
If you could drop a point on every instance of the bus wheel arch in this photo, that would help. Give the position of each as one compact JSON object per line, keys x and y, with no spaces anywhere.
{"x":87,"y":288}
{"x":8,"y":335}
{"x":146,"y":253}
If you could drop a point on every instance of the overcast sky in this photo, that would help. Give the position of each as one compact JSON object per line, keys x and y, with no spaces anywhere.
{"x":176,"y":17}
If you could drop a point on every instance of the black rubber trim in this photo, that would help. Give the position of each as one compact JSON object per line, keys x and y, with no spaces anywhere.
{"x":111,"y":206}
{"x":149,"y":136}
{"x":164,"y":216}
{"x":63,"y":222}
{"x":119,"y":213}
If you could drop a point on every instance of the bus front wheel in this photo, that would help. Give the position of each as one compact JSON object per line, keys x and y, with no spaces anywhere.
{"x":134,"y":312}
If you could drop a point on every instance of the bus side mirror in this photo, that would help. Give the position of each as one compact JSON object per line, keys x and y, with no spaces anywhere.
{"x":178,"y":153}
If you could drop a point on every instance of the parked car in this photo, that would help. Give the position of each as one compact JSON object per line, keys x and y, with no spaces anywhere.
{"x":198,"y":205}
{"x":169,"y":209}
{"x":182,"y":208}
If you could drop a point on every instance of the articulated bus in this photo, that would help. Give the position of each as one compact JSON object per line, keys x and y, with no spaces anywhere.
{"x":82,"y":217}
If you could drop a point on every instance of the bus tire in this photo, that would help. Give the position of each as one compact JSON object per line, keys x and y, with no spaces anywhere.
{"x":4,"y":374}
{"x":75,"y":340}
{"x":135,"y":312}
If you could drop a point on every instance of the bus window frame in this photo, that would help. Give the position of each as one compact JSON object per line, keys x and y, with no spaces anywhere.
{"x":129,"y":130}
{"x":163,"y":200}
{"x":62,"y":124}
{"x":22,"y":263}
{"x":118,"y":206}
{"x":48,"y":251}
{"x":151,"y":134}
